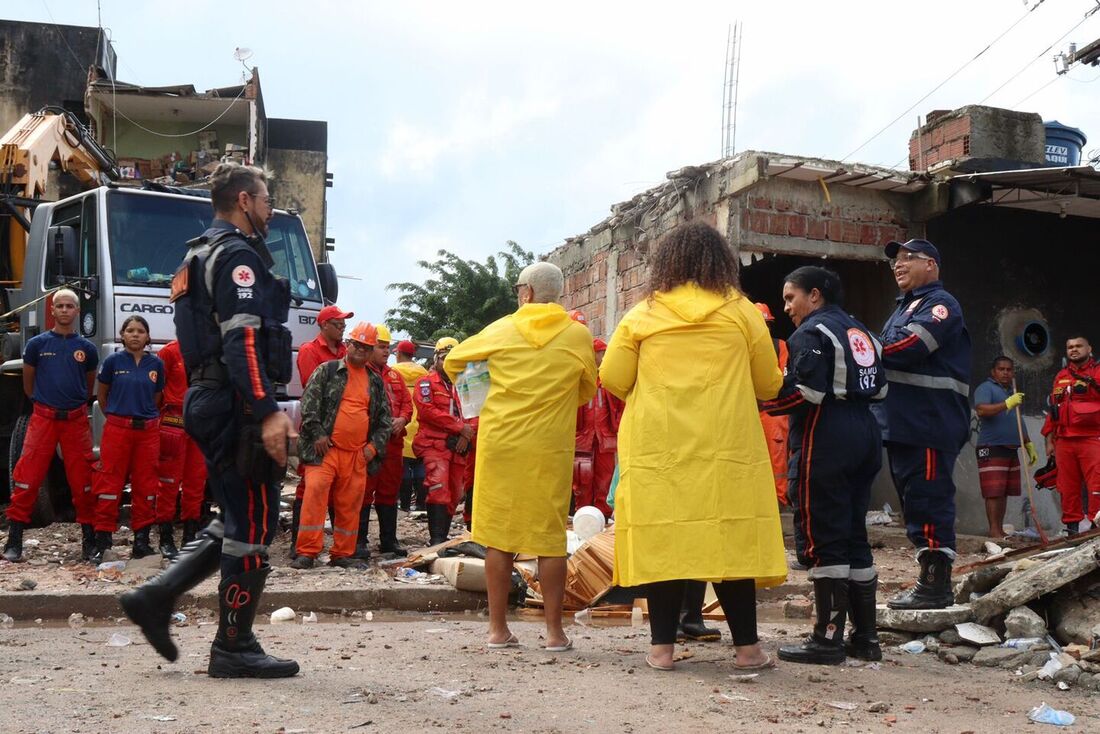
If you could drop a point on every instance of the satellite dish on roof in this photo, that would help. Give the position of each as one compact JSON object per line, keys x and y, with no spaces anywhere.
{"x":242,"y":54}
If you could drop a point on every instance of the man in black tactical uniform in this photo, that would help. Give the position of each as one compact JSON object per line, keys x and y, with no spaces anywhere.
{"x":230,"y":315}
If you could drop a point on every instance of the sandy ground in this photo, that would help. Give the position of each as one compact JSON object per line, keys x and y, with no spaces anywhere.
{"x":423,"y":672}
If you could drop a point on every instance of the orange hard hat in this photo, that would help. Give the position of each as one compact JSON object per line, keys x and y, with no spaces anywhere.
{"x":364,"y":333}
{"x":763,"y":308}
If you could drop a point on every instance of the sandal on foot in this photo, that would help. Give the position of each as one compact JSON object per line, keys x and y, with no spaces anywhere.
{"x":560,"y":648}
{"x":655,"y":666}
{"x":768,"y":663}
{"x":512,"y":641}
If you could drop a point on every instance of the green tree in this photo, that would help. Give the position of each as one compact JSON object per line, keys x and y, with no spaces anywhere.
{"x":460,"y":297}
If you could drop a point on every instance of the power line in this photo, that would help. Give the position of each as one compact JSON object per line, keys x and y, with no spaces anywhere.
{"x":181,"y":135}
{"x":61,"y":35}
{"x":945,"y":81}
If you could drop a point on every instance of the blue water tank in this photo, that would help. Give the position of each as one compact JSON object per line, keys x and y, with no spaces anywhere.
{"x":1064,"y":144}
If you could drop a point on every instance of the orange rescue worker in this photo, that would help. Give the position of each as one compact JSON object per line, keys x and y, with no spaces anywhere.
{"x":382,"y":488}
{"x":345,"y":427}
{"x":412,"y":483}
{"x":776,"y":427}
{"x":325,"y":347}
{"x":596,"y":443}
{"x":442,"y":441}
{"x":58,"y":374}
{"x":181,"y":461}
{"x":131,"y":386}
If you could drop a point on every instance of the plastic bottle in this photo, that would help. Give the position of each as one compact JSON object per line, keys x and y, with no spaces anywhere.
{"x":473,"y":388}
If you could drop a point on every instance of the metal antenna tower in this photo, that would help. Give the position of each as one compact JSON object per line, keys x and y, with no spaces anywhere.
{"x":729,"y":89}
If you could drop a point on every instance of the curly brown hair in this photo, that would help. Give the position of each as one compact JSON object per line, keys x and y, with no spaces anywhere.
{"x":694,"y":251}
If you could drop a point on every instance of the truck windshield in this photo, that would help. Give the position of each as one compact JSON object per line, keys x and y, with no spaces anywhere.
{"x":148,"y":236}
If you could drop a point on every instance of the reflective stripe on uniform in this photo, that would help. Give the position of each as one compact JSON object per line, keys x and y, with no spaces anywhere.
{"x":240,"y":321}
{"x":840,"y":365}
{"x":216,"y":529}
{"x":925,"y":336}
{"x":814,"y":396}
{"x":863,"y":574}
{"x":21,"y":485}
{"x":239,"y":549}
{"x":885,"y":389}
{"x":311,"y":528}
{"x":829,"y":572}
{"x":108,"y":497}
{"x":930,"y":381}
{"x":341,"y":531}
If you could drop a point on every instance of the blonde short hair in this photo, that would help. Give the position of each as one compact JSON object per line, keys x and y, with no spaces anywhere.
{"x":66,"y":293}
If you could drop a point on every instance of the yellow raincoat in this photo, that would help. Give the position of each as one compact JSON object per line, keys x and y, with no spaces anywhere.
{"x":696,"y":497}
{"x":410,"y":372}
{"x":541,"y":368}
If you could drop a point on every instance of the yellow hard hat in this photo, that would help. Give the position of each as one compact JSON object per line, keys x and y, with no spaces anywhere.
{"x":447,"y":342}
{"x":383,"y":333}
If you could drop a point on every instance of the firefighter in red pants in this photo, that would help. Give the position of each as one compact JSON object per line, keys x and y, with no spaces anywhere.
{"x":442,"y":441}
{"x":58,"y":373}
{"x":131,"y":386}
{"x":597,"y":441}
{"x":383,"y":487}
{"x":1072,"y":431}
{"x":181,"y":461}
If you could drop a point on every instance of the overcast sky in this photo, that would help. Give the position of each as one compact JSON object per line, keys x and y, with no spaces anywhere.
{"x":463,"y":125}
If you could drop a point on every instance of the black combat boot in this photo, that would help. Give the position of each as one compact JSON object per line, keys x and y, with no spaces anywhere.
{"x":933,"y":588}
{"x":190,"y":530}
{"x":142,"y":546}
{"x":692,"y":626}
{"x":167,"y":546}
{"x":862,"y":643}
{"x":439,"y":524}
{"x":362,"y":538}
{"x":405,"y":494}
{"x":235,"y":652}
{"x":387,"y":531}
{"x":103,"y":543}
{"x":421,"y":498}
{"x":150,"y":605}
{"x":825,"y":646}
{"x":13,"y":549}
{"x":295,"y":521}
{"x":87,"y":542}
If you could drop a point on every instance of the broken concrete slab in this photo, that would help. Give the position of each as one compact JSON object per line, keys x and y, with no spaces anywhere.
{"x":1075,"y":611}
{"x":993,"y":657}
{"x":950,"y":637}
{"x":962,"y":653}
{"x":980,"y":581}
{"x":1038,"y":580}
{"x":923,"y":620}
{"x":977,"y":634}
{"x":1023,"y":622}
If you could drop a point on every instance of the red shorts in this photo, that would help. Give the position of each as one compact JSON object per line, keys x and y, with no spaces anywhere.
{"x":999,"y":471}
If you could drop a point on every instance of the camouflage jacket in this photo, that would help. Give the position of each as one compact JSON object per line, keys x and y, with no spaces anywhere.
{"x":321,"y":402}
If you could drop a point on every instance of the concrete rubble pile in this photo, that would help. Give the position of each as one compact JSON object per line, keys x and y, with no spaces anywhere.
{"x":1038,"y":615}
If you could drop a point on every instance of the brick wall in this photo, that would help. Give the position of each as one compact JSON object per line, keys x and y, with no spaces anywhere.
{"x":945,"y":138}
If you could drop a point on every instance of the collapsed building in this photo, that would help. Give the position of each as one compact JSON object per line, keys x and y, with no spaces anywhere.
{"x":1004,"y":197}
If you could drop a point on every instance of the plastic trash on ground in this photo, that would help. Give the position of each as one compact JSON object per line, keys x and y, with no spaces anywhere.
{"x":1022,"y":643}
{"x":1052,"y":666}
{"x":914,"y":647}
{"x":76,"y":620}
{"x":118,"y":639}
{"x":179,"y":617}
{"x":111,"y":566}
{"x":310,"y":618}
{"x":588,"y":521}
{"x":6,"y":622}
{"x":444,"y":693}
{"x":583,"y":617}
{"x":1043,"y":714}
{"x":282,"y":614}
{"x":876,"y":517}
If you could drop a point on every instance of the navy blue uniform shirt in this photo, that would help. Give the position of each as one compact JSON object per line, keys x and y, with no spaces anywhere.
{"x":134,"y":387}
{"x":62,"y":364}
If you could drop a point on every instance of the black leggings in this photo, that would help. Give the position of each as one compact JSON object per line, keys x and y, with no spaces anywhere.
{"x":738,"y":600}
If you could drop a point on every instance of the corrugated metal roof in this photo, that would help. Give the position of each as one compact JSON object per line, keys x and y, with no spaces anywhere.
{"x":1073,"y":190}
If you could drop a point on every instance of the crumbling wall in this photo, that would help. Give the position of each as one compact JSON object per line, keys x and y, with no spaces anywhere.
{"x":297,"y":154}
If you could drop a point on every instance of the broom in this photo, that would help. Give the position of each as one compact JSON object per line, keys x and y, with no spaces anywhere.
{"x":1027,"y":474}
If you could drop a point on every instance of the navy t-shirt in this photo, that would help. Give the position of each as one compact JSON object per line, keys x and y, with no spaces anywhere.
{"x":1000,"y":429}
{"x":61,"y":363}
{"x":133,"y":387}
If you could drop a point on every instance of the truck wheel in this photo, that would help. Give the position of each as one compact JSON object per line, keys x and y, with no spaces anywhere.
{"x":42,"y":514}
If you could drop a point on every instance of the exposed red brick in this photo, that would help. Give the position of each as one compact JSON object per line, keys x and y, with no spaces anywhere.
{"x":796,"y":225}
{"x":760,"y":202}
{"x":758,"y":222}
{"x":777,"y":224}
{"x":867,"y":234}
{"x":817,"y":229}
{"x":782,"y":205}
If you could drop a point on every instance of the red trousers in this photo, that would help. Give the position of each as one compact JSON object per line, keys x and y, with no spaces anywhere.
{"x":592,"y":475}
{"x":126,"y":452}
{"x":444,"y":477}
{"x":383,"y":487}
{"x":339,"y":477}
{"x":44,"y":433}
{"x":181,"y":462}
{"x":1078,"y":461}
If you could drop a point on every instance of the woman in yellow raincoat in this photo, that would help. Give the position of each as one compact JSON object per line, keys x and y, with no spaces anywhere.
{"x":696,"y":498}
{"x":541,"y":368}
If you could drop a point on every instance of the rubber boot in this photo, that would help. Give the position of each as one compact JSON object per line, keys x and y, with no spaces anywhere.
{"x":190,"y":530}
{"x":295,"y":521}
{"x":87,"y":541}
{"x":863,"y":643}
{"x":362,"y":538}
{"x":405,"y":494}
{"x":167,"y":545}
{"x":825,"y":646}
{"x":387,"y":531}
{"x":142,"y":547}
{"x":468,"y":509}
{"x":933,"y":588}
{"x":150,"y":605}
{"x":439,"y":523}
{"x":13,"y":549}
{"x":692,"y":626}
{"x":421,"y":498}
{"x":103,"y":543}
{"x":235,"y":652}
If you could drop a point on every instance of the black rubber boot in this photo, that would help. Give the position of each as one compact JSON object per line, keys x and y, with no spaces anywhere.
{"x":439,"y":524}
{"x":405,"y":494}
{"x":468,"y":509}
{"x":933,"y":588}
{"x":236,"y":653}
{"x":167,"y":546}
{"x":387,"y":531}
{"x":303,"y":563}
{"x":825,"y":646}
{"x":295,"y":521}
{"x":421,"y":498}
{"x":863,"y":643}
{"x":87,"y":542}
{"x":13,"y":549}
{"x":190,"y":530}
{"x":150,"y":605}
{"x":362,"y":538}
{"x":103,"y":543}
{"x":355,"y":564}
{"x":692,"y":626}
{"x":142,"y":546}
